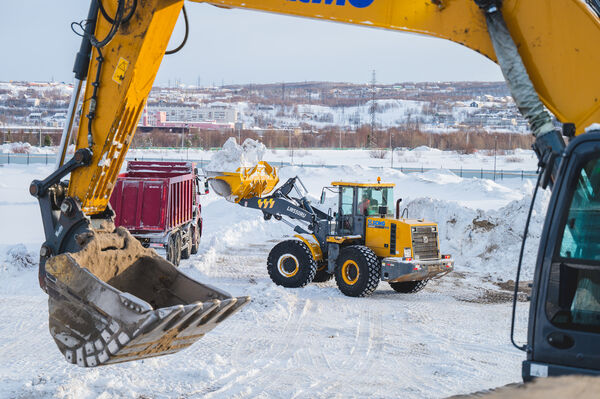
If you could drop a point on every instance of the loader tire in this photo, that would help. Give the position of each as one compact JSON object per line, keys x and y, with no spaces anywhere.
{"x":358,"y":271}
{"x":409,"y":287}
{"x":290,"y":264}
{"x":322,"y":274}
{"x":174,"y":249}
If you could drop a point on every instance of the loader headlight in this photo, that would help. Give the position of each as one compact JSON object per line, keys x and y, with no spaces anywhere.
{"x":407,"y":253}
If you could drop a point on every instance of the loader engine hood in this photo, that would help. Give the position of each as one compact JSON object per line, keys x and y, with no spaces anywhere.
{"x":408,"y":238}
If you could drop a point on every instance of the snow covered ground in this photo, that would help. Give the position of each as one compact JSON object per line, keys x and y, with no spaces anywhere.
{"x":452,"y":337}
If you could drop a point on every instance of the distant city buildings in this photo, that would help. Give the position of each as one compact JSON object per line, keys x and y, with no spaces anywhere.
{"x":440,"y":107}
{"x":214,"y":116}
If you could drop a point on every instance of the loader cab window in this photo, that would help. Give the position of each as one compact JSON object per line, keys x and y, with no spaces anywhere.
{"x":371,"y":198}
{"x":574,"y":286}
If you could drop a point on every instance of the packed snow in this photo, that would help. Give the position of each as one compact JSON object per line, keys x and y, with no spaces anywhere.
{"x":450,"y":338}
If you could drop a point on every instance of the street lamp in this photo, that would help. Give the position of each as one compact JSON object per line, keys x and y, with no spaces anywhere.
{"x":290,"y":145}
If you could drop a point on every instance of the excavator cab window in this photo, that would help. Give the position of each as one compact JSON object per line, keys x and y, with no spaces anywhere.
{"x":574,"y":287}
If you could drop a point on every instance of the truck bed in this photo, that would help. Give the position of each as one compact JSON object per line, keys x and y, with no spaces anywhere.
{"x":154,"y":197}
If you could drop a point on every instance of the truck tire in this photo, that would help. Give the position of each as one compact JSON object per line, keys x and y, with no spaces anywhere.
{"x":409,"y":287}
{"x":174,"y":248}
{"x":290,"y":264}
{"x":322,"y":274}
{"x":185,"y":252}
{"x":195,"y":241}
{"x":358,"y":271}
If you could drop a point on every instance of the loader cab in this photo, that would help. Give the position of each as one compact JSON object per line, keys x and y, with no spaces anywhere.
{"x":357,"y":201}
{"x":564,"y":322}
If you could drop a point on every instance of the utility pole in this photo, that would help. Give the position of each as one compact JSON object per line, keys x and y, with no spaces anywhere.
{"x":290,"y":145}
{"x":391,"y":147}
{"x":182,"y":136}
{"x":372,"y":143}
{"x":495,"y":150}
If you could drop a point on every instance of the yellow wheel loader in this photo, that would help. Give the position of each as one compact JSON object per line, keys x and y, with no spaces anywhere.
{"x":110,"y":300}
{"x":361,"y":243}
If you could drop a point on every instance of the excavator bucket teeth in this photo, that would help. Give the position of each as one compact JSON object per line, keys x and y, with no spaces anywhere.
{"x":245,"y":182}
{"x":116,"y":301}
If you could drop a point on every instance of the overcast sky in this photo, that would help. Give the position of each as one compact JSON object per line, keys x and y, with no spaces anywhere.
{"x":241,"y":46}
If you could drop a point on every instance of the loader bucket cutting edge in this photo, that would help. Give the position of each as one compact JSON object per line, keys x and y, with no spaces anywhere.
{"x":245,"y":182}
{"x":116,"y":301}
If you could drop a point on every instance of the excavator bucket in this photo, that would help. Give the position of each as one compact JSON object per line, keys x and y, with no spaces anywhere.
{"x":116,"y":301}
{"x":245,"y":182}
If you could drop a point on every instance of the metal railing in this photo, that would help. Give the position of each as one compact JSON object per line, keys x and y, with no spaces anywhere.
{"x":499,"y":174}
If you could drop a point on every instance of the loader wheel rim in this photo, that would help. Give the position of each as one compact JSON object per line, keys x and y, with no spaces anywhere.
{"x":350,"y":272}
{"x":288,"y":265}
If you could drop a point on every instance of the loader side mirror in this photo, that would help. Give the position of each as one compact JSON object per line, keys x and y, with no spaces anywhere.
{"x":383,"y":211}
{"x":322,"y":201}
{"x":206,"y":190}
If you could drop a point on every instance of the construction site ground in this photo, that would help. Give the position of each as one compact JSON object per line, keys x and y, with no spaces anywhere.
{"x":451,"y":338}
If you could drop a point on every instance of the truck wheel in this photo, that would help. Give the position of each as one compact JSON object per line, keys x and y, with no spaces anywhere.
{"x":358,"y":271}
{"x":290,"y":264}
{"x":322,"y":275}
{"x":195,"y":241}
{"x":174,"y":249}
{"x":409,"y":287}
{"x":185,"y":252}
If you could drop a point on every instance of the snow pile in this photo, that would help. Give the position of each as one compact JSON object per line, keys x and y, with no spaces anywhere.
{"x":486,"y":243}
{"x":592,"y":127}
{"x":17,"y":257}
{"x":20,"y":148}
{"x":232,"y":155}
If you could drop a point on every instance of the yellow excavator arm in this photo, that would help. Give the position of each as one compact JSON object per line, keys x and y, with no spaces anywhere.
{"x":554,"y":39}
{"x":110,"y":299}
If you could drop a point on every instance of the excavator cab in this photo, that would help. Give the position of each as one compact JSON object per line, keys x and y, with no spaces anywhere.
{"x":564,"y":323}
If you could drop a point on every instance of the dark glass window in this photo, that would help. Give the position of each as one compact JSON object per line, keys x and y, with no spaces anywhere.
{"x":574,"y":287}
{"x":371,"y":198}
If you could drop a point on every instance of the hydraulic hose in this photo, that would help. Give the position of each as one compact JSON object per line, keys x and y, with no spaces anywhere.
{"x":548,"y":138}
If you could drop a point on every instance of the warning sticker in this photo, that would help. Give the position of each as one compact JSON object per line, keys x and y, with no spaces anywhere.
{"x":120,"y":70}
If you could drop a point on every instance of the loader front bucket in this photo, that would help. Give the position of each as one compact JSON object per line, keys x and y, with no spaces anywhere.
{"x":245,"y":182}
{"x":116,"y":301}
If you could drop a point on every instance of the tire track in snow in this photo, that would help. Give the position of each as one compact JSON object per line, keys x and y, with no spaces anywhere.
{"x":233,"y":383}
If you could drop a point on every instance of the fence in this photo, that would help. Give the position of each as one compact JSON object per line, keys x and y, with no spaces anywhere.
{"x":49,"y":159}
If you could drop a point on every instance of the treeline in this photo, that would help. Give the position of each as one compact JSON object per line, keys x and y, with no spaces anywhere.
{"x":463,"y":141}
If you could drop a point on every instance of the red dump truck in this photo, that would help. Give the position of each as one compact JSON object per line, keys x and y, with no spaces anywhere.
{"x":159,"y":203}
